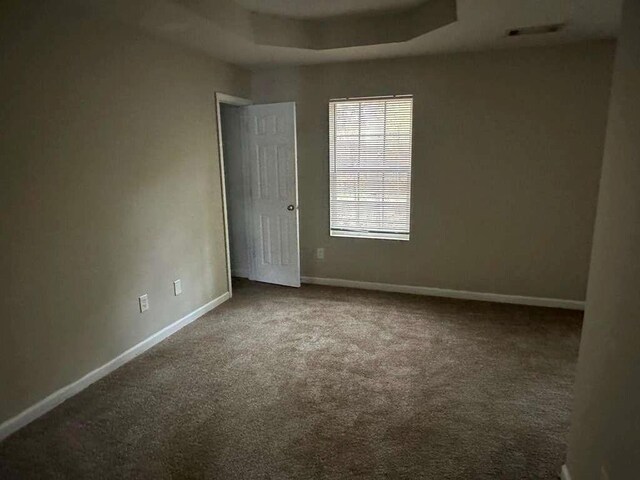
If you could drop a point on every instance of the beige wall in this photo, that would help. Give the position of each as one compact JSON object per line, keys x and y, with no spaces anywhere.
{"x":507,"y":154}
{"x":605,"y":429}
{"x":109,"y":189}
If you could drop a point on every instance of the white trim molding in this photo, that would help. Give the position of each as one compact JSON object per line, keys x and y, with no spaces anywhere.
{"x":442,"y":292}
{"x":56,"y":398}
{"x":564,"y":473}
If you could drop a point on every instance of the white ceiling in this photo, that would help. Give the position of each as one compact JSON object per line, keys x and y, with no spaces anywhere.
{"x":323,"y":8}
{"x":481,"y":25}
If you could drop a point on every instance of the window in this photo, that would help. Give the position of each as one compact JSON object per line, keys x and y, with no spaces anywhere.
{"x":370,"y":167}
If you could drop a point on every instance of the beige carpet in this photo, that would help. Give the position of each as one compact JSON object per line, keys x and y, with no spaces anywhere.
{"x":322,"y":382}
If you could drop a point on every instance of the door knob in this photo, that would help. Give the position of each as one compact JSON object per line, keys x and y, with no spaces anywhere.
{"x":291,"y":208}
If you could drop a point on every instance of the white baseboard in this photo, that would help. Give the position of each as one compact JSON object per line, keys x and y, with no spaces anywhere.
{"x":14,"y":424}
{"x":564,"y":473}
{"x":442,"y":292}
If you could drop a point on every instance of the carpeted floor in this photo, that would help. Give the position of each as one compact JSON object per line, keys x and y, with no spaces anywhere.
{"x":323,"y":382}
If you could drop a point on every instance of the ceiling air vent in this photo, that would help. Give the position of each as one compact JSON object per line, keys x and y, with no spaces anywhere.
{"x":537,"y":30}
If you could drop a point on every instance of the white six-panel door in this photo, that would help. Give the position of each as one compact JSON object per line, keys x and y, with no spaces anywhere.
{"x":270,"y":142}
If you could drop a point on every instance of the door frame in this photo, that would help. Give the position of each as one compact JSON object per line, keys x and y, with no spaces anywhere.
{"x":236,"y":101}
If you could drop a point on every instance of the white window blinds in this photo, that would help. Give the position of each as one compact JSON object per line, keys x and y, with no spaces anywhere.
{"x":370,"y":166}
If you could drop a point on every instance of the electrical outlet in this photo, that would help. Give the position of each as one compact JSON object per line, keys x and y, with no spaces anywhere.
{"x":177,"y":287}
{"x":144,"y":303}
{"x":320,"y":253}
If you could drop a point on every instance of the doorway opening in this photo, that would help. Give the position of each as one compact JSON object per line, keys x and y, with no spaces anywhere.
{"x":258,"y":160}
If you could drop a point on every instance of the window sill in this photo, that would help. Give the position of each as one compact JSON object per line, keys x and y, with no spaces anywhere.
{"x":371,"y":235}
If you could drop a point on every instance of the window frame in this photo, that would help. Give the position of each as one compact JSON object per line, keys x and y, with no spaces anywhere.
{"x":370,"y":234}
